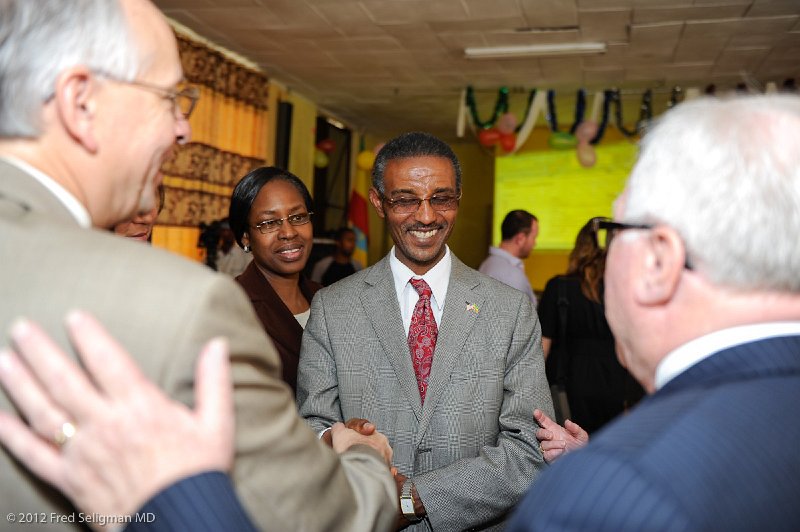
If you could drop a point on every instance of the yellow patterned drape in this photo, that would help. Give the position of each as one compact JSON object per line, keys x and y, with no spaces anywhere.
{"x":229,"y":138}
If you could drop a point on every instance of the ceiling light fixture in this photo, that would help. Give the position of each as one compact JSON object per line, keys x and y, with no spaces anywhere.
{"x":535,"y":50}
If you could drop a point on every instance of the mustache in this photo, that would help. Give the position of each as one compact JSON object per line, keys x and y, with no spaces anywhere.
{"x":423,"y":227}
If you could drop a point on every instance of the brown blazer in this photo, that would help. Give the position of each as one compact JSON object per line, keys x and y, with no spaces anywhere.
{"x":162,"y":309}
{"x":278,"y":321}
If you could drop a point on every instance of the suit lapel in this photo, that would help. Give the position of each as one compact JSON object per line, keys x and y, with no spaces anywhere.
{"x":461,"y":309}
{"x":379,"y":300}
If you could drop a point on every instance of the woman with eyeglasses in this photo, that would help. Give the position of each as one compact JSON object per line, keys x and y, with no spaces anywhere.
{"x":270,"y":216}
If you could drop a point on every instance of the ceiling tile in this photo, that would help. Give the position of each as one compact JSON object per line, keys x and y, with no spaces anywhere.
{"x":644,"y":15}
{"x":761,"y":8}
{"x":537,"y":37}
{"x":481,"y":9}
{"x":699,"y":48}
{"x":606,"y":26}
{"x":550,"y":13}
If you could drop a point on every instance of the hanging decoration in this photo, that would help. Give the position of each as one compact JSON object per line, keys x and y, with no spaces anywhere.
{"x":560,"y":140}
{"x":537,"y":103}
{"x":502,"y":127}
{"x":365,"y":160}
{"x":645,"y":112}
{"x":608,"y":96}
{"x":674,"y":97}
{"x":584,"y":151}
{"x":617,"y":101}
{"x":462,"y":114}
{"x":326,"y":145}
{"x":320,"y":159}
{"x":500,"y":107}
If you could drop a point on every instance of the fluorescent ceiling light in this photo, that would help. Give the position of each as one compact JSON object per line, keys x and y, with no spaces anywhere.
{"x":535,"y":50}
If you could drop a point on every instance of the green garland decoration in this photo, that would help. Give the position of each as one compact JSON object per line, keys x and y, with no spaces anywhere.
{"x":500,"y":107}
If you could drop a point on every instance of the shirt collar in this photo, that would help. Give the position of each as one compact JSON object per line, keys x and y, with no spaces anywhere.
{"x":500,"y":252}
{"x":438,"y":277}
{"x":701,"y":348}
{"x":70,"y":202}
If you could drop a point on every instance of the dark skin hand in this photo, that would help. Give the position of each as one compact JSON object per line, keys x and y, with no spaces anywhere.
{"x":419,"y":508}
{"x":367,"y":428}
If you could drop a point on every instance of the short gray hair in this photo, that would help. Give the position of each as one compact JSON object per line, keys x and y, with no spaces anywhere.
{"x":39,"y":39}
{"x":725,"y":174}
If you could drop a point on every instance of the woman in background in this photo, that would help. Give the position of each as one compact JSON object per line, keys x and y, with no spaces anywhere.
{"x":270,"y":216}
{"x":140,"y":227}
{"x":583,"y":357}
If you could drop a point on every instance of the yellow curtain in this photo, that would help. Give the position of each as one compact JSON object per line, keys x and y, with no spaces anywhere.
{"x":229,"y":138}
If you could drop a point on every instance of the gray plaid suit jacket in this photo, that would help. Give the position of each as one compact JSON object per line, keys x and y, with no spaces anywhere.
{"x":470,"y":449}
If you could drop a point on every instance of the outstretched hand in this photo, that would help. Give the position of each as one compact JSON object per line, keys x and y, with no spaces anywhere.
{"x":343,"y":437}
{"x":556,"y":440}
{"x":106,"y":436}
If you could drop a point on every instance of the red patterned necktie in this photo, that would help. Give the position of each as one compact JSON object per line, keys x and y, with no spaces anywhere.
{"x":422,"y":335}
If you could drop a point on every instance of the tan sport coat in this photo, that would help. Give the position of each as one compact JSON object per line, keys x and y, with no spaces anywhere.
{"x":162,"y":308}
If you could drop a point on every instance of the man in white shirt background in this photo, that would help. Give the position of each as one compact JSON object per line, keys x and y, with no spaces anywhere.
{"x":518,"y":232}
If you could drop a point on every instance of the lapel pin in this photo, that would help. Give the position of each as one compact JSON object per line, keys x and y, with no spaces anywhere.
{"x":472,"y":307}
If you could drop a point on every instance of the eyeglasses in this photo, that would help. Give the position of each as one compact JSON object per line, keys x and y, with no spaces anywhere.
{"x":606,"y":230}
{"x":409,"y":204}
{"x":270,"y":226}
{"x":183,"y":100}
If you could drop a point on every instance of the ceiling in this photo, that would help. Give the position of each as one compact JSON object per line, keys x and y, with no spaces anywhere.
{"x":388,"y":66}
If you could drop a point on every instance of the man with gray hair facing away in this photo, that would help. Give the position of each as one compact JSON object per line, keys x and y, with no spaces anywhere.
{"x":703,"y":296}
{"x":91,"y":103}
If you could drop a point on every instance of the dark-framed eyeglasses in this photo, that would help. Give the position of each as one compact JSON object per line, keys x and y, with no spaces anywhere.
{"x":184,"y":99}
{"x":409,"y":204}
{"x":270,"y":226}
{"x":607,"y":229}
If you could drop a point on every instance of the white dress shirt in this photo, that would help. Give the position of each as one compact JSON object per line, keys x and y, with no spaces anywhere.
{"x":69,"y":201}
{"x":438,"y":278}
{"x":701,"y":348}
{"x":508,"y":269}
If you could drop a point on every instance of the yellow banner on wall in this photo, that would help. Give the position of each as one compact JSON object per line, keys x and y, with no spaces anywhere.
{"x":559,"y":191}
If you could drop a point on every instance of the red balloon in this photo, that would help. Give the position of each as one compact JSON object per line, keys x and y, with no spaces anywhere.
{"x":488,"y":137}
{"x":326,"y":145}
{"x":508,"y":141}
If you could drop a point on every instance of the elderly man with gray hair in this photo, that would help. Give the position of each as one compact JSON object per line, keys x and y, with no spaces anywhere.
{"x":91,"y":103}
{"x":703,"y":296}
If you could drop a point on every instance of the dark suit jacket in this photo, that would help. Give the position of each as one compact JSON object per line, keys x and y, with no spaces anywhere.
{"x":200,"y":503}
{"x":715,"y":449}
{"x":162,"y":309}
{"x":277,"y":319}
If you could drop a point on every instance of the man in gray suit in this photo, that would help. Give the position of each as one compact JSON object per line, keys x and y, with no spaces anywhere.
{"x":450,"y":369}
{"x":91,"y":104}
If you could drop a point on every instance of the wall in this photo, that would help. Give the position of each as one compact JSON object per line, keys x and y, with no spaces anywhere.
{"x":473,"y":232}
